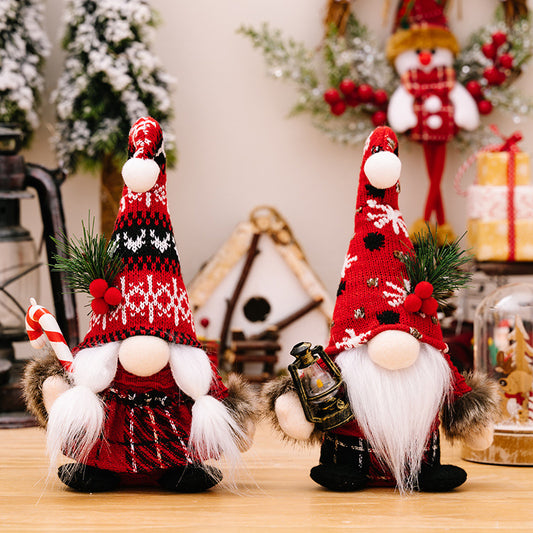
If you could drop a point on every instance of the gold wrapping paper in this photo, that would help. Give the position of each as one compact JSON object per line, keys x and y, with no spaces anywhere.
{"x":489,"y":239}
{"x":492,"y":168}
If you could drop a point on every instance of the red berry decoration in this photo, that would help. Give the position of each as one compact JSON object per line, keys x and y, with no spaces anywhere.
{"x":332,"y":96}
{"x":381,"y":97}
{"x":98,"y":287}
{"x":113,"y":296}
{"x":484,"y":107}
{"x":430,"y":306}
{"x":351,"y":100}
{"x":492,"y":75}
{"x":489,"y":50}
{"x":499,"y":38}
{"x":424,"y":290}
{"x":99,"y":306}
{"x":347,"y":86}
{"x":204,"y":322}
{"x":474,"y":88}
{"x":412,"y":303}
{"x":379,"y":118}
{"x":506,"y":61}
{"x":339,"y":108}
{"x":365,"y":92}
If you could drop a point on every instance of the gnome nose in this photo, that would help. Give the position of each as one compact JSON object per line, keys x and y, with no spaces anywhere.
{"x":424,"y":57}
{"x":393,"y":349}
{"x":143,"y":355}
{"x":383,"y":169}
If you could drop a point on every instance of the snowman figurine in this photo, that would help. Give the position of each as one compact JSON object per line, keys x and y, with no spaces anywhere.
{"x":429,"y":105}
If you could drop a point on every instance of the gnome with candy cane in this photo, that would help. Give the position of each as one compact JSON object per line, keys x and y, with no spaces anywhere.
{"x":429,"y":105}
{"x":142,"y":403}
{"x":387,"y":342}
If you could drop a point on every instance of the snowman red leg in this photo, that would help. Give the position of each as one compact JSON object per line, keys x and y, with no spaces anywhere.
{"x":435,"y":157}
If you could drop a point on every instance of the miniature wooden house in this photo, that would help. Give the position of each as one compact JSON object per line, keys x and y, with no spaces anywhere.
{"x":259,"y":297}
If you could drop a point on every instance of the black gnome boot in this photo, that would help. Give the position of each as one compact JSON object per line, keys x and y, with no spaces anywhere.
{"x":435,"y":477}
{"x":344,"y":464}
{"x":440,"y":478}
{"x":190,"y":478}
{"x":85,"y":478}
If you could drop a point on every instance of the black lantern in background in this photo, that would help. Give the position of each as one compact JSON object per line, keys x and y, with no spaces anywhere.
{"x":19,"y":266}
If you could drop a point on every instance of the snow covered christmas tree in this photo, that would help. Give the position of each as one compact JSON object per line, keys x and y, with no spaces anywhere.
{"x":110,"y":79}
{"x":23,"y":49}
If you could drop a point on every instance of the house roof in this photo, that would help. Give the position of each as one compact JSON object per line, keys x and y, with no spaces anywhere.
{"x":266,"y":221}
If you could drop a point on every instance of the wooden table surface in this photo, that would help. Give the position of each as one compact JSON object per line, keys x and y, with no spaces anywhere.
{"x":274,"y":493}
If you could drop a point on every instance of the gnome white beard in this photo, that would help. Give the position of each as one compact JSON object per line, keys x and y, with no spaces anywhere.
{"x":396,"y":409}
{"x":76,"y":418}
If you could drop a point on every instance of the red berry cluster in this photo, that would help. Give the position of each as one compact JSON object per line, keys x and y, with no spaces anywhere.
{"x":104,"y":296}
{"x":421,"y":300}
{"x":349,"y":94}
{"x":497,"y":50}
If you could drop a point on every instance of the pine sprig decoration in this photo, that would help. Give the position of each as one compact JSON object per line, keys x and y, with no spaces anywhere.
{"x":442,"y":266}
{"x":86,"y":258}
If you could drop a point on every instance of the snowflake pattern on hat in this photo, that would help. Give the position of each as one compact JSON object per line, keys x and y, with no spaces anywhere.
{"x":374,"y":281}
{"x":154,"y":298}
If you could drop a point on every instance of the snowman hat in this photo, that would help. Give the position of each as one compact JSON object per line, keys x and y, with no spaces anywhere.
{"x":153,"y":299}
{"x":375,"y":293}
{"x":420,"y":24}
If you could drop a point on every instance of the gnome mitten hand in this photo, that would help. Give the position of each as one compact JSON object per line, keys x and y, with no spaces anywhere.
{"x":53,"y":387}
{"x":480,"y":440}
{"x":291,"y":417}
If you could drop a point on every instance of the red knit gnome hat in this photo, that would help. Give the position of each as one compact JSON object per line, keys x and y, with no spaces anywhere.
{"x":374,"y":283}
{"x":153,"y":296}
{"x":420,"y":24}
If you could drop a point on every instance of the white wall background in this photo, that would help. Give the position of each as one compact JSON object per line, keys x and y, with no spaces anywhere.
{"x":236,"y":147}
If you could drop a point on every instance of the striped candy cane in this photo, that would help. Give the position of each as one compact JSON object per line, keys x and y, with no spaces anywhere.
{"x":40,"y":325}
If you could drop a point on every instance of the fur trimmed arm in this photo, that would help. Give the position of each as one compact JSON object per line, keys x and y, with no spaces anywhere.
{"x":241,"y":403}
{"x":35,"y":374}
{"x":474,"y":412}
{"x":295,"y":428}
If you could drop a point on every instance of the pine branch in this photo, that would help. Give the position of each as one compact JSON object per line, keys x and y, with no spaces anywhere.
{"x":442,"y":266}
{"x":85,"y":259}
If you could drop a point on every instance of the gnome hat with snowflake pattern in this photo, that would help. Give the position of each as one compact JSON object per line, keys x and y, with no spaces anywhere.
{"x":374,"y":282}
{"x":153,"y":299}
{"x":420,"y":24}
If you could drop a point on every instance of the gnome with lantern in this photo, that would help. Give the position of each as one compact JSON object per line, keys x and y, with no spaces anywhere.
{"x":139,"y":401}
{"x":429,"y":104}
{"x":387,"y":342}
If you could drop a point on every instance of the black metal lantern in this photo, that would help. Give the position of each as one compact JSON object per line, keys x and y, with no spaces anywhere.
{"x":19,"y":266}
{"x":320,"y":387}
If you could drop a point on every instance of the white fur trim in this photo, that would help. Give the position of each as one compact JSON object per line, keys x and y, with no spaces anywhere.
{"x":383,"y":169}
{"x":96,"y":367}
{"x":400,"y":113}
{"x":144,"y":355}
{"x":214,"y":431}
{"x":465,"y":110}
{"x":74,"y":424}
{"x":191,"y":369}
{"x":393,"y":349}
{"x":140,"y":175}
{"x":291,"y":417}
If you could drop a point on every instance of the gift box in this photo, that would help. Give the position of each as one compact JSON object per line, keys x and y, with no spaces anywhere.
{"x":492,"y":168}
{"x":489,"y":239}
{"x":490,"y":202}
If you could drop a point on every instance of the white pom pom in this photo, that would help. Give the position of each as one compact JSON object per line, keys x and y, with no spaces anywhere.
{"x":393,"y":349}
{"x":383,"y":169}
{"x":140,"y":175}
